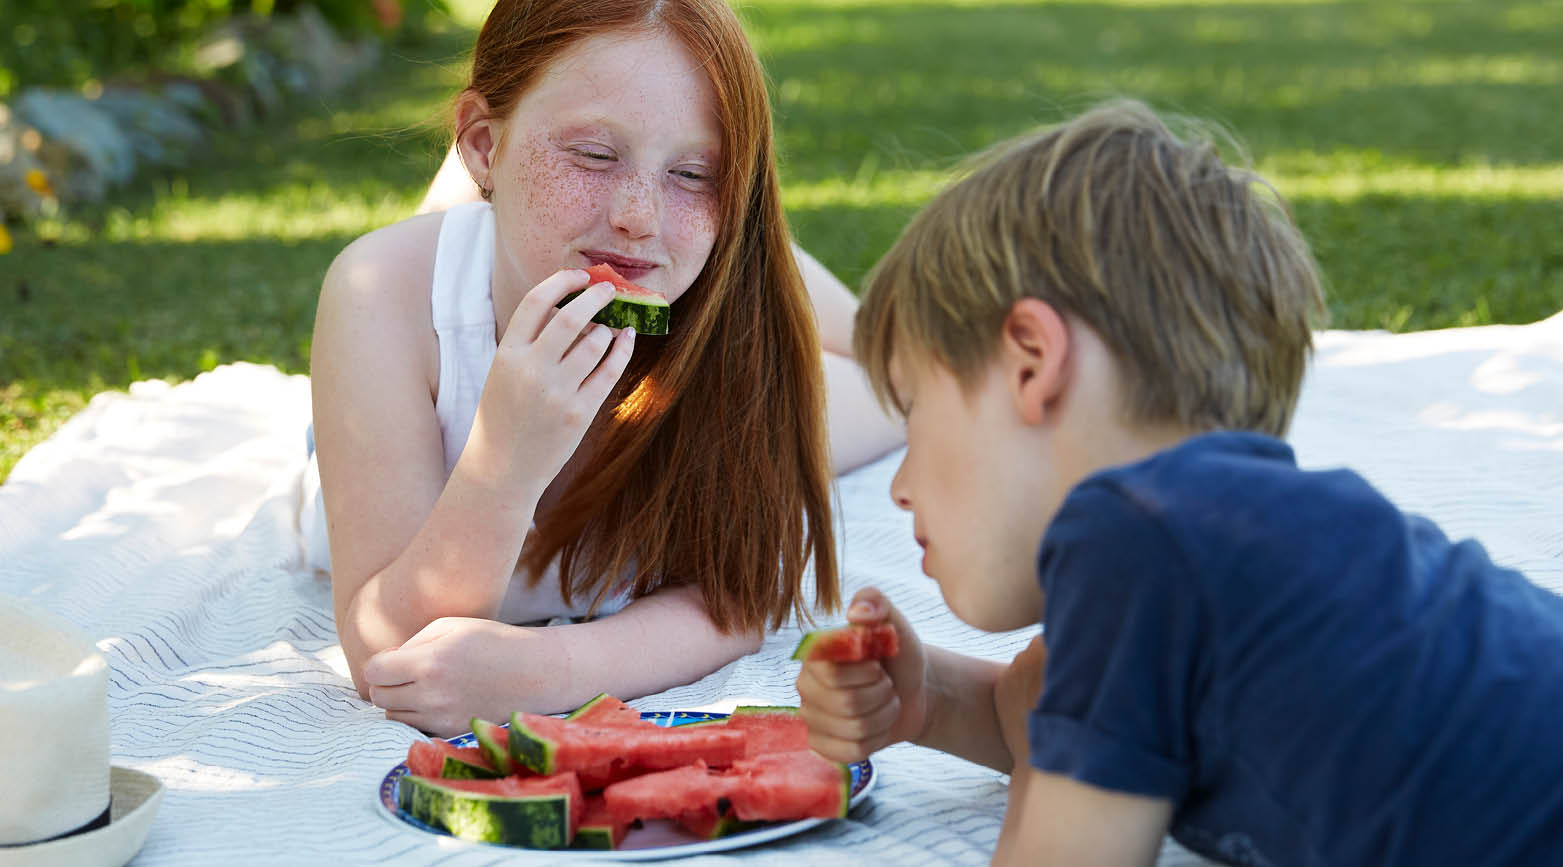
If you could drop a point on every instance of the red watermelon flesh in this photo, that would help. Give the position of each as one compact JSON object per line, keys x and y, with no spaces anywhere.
{"x":855,"y":642}
{"x":770,"y":730}
{"x":549,"y":745}
{"x":796,"y":785}
{"x":597,"y":819}
{"x":427,"y":758}
{"x":625,"y":289}
{"x":772,"y":787}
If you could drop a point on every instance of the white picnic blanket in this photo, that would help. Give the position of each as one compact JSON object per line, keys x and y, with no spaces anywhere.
{"x":164,"y":522}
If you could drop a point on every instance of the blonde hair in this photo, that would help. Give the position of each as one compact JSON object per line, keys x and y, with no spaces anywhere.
{"x":1190,"y":271}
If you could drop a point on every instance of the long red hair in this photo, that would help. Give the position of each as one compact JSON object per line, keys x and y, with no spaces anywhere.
{"x":712,"y":464}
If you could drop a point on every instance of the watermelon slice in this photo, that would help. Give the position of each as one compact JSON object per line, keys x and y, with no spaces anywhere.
{"x":607,"y":710}
{"x":440,"y":758}
{"x":855,"y":642}
{"x":494,"y":742}
{"x":707,"y":825}
{"x":548,"y":745}
{"x":598,"y":830}
{"x":772,"y":787}
{"x":537,"y":813}
{"x":773,"y":729}
{"x":633,"y":306}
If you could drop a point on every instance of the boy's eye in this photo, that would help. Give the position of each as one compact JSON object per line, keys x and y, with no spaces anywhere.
{"x":594,"y":154}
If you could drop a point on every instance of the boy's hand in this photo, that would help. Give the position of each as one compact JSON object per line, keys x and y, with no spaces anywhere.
{"x":1015,"y":694}
{"x":855,"y":708}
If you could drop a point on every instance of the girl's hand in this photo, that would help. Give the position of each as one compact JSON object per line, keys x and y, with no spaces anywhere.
{"x":855,"y":708}
{"x":550,"y":376}
{"x":457,"y":668}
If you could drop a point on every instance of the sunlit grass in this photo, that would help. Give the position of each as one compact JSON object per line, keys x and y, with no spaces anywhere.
{"x":1418,"y":144}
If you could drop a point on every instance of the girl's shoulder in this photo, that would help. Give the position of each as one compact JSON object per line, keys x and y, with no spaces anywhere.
{"x":390,"y":265}
{"x":376,"y":295}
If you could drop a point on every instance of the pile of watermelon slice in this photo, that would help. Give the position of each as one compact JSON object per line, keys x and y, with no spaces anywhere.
{"x":583,"y":781}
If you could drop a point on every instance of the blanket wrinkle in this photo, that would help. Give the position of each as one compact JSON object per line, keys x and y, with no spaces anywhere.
{"x":164,"y":521}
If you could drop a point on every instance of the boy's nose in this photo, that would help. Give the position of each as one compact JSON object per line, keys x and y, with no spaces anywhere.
{"x":636,"y":207}
{"x":898,"y":488}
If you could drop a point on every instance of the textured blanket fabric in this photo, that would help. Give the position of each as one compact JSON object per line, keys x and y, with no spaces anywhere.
{"x":165,"y":523}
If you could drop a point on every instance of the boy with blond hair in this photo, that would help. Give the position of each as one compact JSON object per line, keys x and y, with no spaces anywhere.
{"x":1097,"y":339}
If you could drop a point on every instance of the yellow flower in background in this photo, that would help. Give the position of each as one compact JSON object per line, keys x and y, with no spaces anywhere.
{"x":5,"y":240}
{"x":39,"y":182}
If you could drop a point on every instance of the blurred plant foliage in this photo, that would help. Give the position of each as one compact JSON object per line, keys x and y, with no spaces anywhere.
{"x":70,"y":43}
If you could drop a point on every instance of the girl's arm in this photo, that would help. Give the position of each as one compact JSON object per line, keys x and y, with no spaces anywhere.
{"x":458,"y":668}
{"x":409,"y":547}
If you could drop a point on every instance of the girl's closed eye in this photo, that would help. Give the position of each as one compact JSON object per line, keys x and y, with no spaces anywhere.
{"x":694,"y":177}
{"x":594,"y":154}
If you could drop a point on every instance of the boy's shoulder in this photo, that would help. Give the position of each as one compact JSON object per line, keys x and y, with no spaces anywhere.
{"x":1219,"y":508}
{"x":1217,"y":478}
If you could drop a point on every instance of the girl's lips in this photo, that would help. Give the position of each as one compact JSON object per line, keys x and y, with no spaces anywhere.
{"x":627,"y":266}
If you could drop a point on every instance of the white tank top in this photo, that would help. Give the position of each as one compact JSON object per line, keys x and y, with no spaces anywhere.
{"x":462,"y":306}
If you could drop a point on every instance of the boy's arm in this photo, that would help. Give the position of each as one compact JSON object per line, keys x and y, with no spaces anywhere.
{"x":963,"y":718}
{"x":1053,"y":819}
{"x":926,"y":695}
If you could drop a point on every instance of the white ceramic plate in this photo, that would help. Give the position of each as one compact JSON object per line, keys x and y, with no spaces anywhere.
{"x":655,"y":840}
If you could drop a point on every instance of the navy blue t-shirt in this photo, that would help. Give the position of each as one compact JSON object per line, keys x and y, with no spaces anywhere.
{"x":1311,"y":676}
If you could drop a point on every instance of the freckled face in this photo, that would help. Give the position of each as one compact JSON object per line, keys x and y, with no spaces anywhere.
{"x":610,"y":157}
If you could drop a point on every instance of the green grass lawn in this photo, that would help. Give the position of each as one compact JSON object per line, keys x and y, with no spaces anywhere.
{"x":1417,"y":141}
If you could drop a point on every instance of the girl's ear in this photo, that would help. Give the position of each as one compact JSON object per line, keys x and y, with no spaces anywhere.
{"x":1034,"y":350}
{"x":477,"y":139}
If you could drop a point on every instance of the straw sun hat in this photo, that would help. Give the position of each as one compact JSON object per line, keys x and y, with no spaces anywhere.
{"x":64,"y":803}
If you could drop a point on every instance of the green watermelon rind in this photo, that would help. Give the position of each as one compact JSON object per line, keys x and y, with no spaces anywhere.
{"x":496,"y":751}
{"x":594,"y":837}
{"x":810,"y":640}
{"x":529,"y":748}
{"x":529,"y":821}
{"x":587,"y":708}
{"x":807,"y":642}
{"x":646,"y":315}
{"x":764,"y":710}
{"x":846,"y":788}
{"x":726,"y":826}
{"x":461,"y":769}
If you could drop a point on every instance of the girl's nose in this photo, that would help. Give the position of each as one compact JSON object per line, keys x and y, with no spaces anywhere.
{"x":636,"y":208}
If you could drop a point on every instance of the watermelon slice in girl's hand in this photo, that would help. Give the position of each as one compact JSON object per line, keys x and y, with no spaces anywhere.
{"x":633,"y":306}
{"x":855,"y":642}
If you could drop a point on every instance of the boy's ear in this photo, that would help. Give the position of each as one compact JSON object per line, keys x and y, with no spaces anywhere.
{"x":477,"y":138}
{"x":1034,"y":348}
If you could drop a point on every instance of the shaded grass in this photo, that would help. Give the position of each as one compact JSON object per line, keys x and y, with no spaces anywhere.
{"x":1417,"y":142}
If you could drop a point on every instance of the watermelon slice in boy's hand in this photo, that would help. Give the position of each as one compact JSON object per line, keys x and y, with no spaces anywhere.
{"x":855,"y":642}
{"x":633,"y":306}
